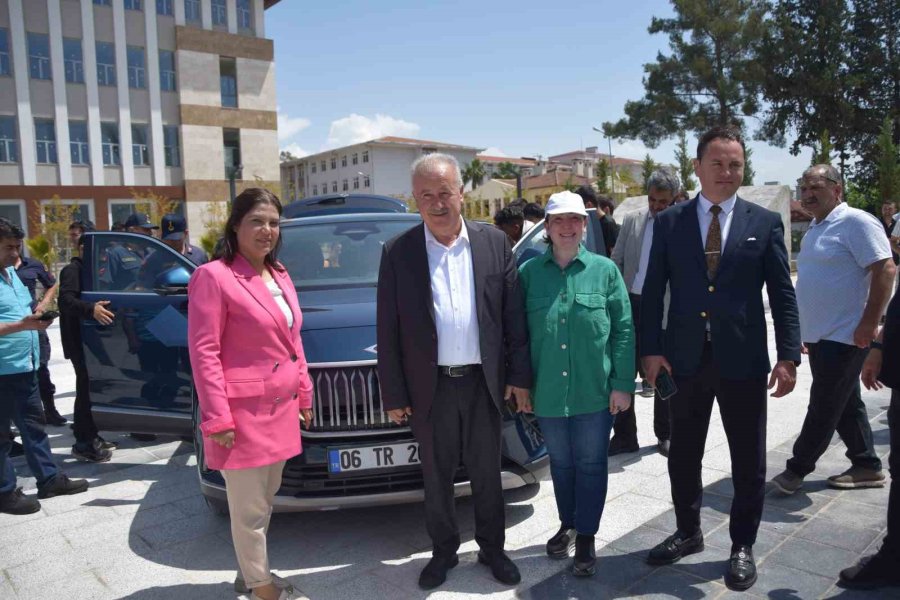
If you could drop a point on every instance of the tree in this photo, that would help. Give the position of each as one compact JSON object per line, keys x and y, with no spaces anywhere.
{"x":748,"y":167}
{"x":807,"y":82}
{"x":711,"y":77}
{"x":822,"y":151}
{"x":888,"y":169}
{"x":603,"y":180}
{"x":648,"y":166}
{"x":286,"y":156}
{"x":506,"y":170}
{"x":474,"y":172}
{"x":684,"y":162}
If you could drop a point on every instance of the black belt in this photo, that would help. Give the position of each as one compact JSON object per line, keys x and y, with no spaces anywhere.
{"x":457,"y":370}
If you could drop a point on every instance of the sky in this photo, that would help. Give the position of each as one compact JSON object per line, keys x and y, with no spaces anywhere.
{"x":524,"y":78}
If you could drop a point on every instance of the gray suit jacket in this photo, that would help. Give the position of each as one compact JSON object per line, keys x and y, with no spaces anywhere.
{"x":627,"y":253}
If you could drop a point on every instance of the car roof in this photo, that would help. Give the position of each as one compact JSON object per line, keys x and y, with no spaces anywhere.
{"x":344,"y":203}
{"x":351,"y":218}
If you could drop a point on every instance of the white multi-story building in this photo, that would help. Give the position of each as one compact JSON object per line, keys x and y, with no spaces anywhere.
{"x":492,"y":164}
{"x":379,"y":166}
{"x":105,"y":100}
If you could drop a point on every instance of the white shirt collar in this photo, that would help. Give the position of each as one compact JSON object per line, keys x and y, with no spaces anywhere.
{"x":463,"y":236}
{"x":727,"y":206}
{"x":836,"y":212}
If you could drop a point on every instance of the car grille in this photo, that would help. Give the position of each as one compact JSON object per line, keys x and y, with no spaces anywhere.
{"x":347,"y":398}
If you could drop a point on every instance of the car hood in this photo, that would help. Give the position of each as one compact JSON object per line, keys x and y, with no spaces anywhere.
{"x":338,"y":324}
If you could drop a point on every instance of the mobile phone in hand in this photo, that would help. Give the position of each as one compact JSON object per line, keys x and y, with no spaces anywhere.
{"x":665,"y":385}
{"x":48,"y":315}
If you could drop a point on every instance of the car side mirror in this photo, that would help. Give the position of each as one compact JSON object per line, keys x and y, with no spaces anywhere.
{"x":172,"y":282}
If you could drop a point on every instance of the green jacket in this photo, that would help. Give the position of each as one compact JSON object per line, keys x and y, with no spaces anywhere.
{"x":582,"y":337}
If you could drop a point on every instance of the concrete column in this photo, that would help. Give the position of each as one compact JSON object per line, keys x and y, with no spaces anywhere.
{"x":60,"y":102}
{"x":157,"y":155}
{"x":123,"y":94}
{"x":27,"y":157}
{"x":89,"y":50}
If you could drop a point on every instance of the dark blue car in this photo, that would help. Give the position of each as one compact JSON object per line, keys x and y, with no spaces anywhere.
{"x":141,"y":376}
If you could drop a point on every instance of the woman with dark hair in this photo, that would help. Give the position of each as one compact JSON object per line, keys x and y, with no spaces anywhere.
{"x":251,"y":377}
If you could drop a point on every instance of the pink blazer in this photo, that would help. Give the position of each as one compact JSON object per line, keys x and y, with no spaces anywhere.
{"x":249,"y":369}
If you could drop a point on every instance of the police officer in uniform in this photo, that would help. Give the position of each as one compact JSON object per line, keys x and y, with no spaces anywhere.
{"x":124,"y":261}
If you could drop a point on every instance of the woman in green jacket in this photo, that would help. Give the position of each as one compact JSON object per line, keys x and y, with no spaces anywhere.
{"x":582,"y":351}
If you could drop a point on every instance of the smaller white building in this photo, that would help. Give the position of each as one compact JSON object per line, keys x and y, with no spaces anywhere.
{"x":379,"y":166}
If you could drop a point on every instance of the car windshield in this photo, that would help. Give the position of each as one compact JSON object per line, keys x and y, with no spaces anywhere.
{"x":343,"y":254}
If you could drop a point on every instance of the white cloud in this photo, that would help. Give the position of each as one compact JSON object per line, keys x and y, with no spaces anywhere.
{"x":295,"y":150}
{"x":358,"y":128}
{"x":494,"y":151}
{"x":288,"y":127}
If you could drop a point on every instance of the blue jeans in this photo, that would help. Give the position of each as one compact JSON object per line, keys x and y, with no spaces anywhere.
{"x":578,"y":448}
{"x":22,"y":405}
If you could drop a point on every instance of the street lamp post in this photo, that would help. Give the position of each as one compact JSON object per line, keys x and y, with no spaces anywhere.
{"x":234,"y":172}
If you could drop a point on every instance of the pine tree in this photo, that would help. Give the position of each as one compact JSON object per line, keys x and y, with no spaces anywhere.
{"x":684,"y":162}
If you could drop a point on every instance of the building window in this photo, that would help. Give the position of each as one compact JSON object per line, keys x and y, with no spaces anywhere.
{"x":366,"y":156}
{"x":355,"y":158}
{"x":73,"y":60}
{"x":109,"y":132}
{"x":315,"y":190}
{"x":244,"y":15}
{"x":45,"y":141}
{"x":356,"y":183}
{"x":103,"y":2}
{"x":106,"y":64}
{"x":133,"y":5}
{"x":219,"y":13}
{"x":171,"y":146}
{"x":334,"y":186}
{"x":312,"y":167}
{"x":345,"y":185}
{"x":344,"y":160}
{"x":5,"y":65}
{"x":9,"y":148}
{"x":164,"y":8}
{"x":228,"y":82}
{"x":231,"y":140}
{"x":140,"y":151}
{"x":39,"y":55}
{"x":323,"y":166}
{"x":78,"y":143}
{"x":333,"y":163}
{"x":167,"y":82}
{"x":192,"y":11}
{"x":366,"y":181}
{"x":136,"y":72}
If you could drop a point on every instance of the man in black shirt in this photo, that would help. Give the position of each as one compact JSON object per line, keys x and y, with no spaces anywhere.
{"x":606,"y":230}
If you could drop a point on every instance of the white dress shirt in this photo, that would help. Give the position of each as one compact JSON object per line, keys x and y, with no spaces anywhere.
{"x":453,"y":294}
{"x":705,"y":217}
{"x":278,"y":296}
{"x":646,"y":242}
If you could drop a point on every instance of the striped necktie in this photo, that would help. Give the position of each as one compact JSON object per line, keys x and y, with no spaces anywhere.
{"x":713,"y":242}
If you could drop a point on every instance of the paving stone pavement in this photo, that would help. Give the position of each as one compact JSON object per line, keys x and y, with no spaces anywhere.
{"x":143,"y":531}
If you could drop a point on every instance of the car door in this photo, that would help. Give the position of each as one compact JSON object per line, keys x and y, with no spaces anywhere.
{"x":139,"y":368}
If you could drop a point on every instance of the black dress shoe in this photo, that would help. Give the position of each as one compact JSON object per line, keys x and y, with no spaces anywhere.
{"x":619,"y":446}
{"x":61,"y":485}
{"x":872,"y":572}
{"x":561,"y":543}
{"x":741,"y":574}
{"x":105,"y":444}
{"x":17,"y":503}
{"x":675,"y":547}
{"x":52,"y":417}
{"x":502,"y":568}
{"x":585,"y":556}
{"x":435,"y":572}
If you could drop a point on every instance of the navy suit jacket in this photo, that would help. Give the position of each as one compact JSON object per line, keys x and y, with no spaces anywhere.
{"x":732,"y":302}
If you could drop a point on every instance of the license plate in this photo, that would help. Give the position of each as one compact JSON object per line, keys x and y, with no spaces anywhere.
{"x":368,"y":458}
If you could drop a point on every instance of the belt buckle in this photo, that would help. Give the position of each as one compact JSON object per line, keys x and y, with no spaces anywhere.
{"x":456,"y":371}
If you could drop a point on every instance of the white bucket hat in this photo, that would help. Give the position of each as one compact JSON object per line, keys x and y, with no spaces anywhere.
{"x":565,"y":202}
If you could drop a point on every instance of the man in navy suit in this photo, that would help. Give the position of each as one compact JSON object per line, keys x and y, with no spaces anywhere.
{"x":716,"y":252}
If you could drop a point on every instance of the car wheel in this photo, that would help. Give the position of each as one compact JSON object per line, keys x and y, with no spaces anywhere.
{"x":217,"y":507}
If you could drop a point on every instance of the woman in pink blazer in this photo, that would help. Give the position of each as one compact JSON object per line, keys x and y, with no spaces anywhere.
{"x":251,"y":377}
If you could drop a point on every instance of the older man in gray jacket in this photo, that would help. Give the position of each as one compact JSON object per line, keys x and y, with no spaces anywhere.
{"x":632,"y":254}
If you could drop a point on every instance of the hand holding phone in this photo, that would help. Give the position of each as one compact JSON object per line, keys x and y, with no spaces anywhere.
{"x":48,"y":315}
{"x":665,"y":385}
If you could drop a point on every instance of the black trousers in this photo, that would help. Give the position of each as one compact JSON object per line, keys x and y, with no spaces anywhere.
{"x":891,"y":545}
{"x":742,"y":404}
{"x":625,"y":426}
{"x":84,"y":429}
{"x":45,"y":384}
{"x":835,"y":404}
{"x":464,"y":426}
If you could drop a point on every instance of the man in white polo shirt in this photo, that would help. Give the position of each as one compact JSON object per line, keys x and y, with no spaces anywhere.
{"x":844,"y":277}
